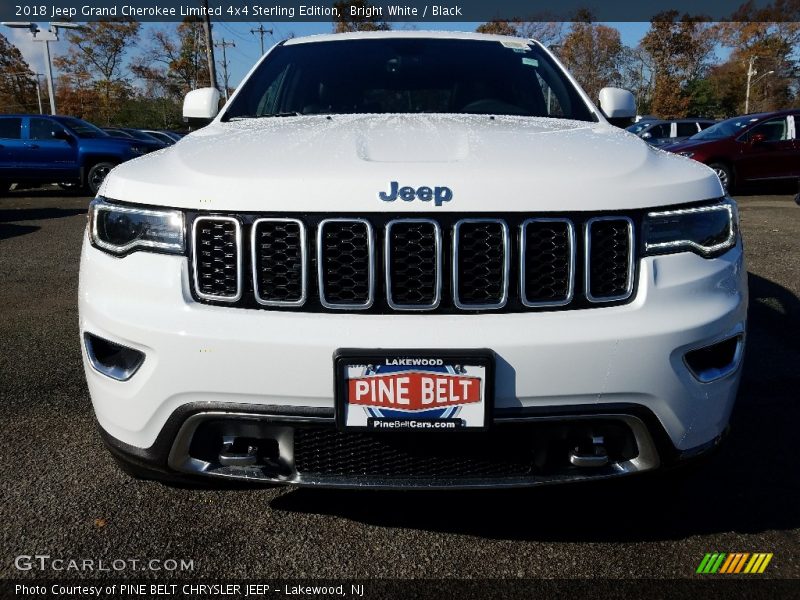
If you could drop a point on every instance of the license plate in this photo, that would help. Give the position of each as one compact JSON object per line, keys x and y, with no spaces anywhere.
{"x":411,"y":390}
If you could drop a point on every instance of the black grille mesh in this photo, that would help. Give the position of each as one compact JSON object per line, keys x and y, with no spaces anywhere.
{"x":480,"y":265}
{"x":609,"y":275}
{"x":321,"y":451}
{"x":345,"y":262}
{"x":279,"y":261}
{"x":412,"y":263}
{"x":217,"y":257}
{"x":548,"y":252}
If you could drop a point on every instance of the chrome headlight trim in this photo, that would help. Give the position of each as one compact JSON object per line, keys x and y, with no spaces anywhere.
{"x":175,"y":217}
{"x":727,"y":205}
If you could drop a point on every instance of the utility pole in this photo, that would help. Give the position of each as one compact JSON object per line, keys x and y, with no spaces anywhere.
{"x":39,"y":91}
{"x":750,"y":81}
{"x":212,"y":67}
{"x":750,"y":72}
{"x":225,"y":44}
{"x":261,"y":31}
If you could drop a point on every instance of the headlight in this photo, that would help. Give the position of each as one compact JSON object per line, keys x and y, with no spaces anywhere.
{"x":123,"y":229}
{"x":708,"y":230}
{"x":687,"y":154}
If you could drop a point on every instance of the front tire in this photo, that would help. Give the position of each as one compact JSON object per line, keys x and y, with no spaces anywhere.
{"x":725,"y":175}
{"x":96,"y":175}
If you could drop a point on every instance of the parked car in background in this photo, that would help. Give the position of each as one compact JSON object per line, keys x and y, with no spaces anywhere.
{"x":161,"y":136}
{"x":135,"y":134}
{"x":173,"y":134}
{"x":749,"y":148}
{"x":50,"y":149}
{"x":662,"y":133}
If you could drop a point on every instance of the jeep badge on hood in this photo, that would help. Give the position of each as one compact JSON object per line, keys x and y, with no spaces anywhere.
{"x":439,"y":195}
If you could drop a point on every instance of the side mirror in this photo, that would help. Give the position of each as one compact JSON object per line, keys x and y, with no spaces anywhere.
{"x":201,"y":106}
{"x":619,"y":106}
{"x":60,"y":134}
{"x":757,"y":138}
{"x":646,"y":135}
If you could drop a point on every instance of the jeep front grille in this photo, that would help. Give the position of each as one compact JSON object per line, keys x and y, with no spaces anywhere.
{"x":447,"y":264}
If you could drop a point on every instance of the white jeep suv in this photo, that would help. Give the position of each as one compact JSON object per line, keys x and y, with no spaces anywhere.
{"x":407,"y":259}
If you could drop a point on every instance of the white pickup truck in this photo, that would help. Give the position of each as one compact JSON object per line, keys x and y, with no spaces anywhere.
{"x":410,"y":259}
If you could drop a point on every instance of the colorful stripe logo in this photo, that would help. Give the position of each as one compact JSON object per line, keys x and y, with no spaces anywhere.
{"x":735,"y":562}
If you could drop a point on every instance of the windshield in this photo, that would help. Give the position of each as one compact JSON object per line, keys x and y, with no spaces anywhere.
{"x":724,"y":129}
{"x":637,"y":127}
{"x":82,"y":129}
{"x":408,"y":75}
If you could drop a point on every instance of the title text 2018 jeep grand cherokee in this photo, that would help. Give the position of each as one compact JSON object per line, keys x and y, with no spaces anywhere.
{"x":415,"y":260}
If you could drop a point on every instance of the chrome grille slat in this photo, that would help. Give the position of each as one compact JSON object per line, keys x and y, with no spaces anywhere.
{"x":279,"y":261}
{"x":548,"y":278}
{"x":609,"y":259}
{"x":347,"y":279}
{"x":414,"y":260}
{"x":217,"y":264}
{"x":469,"y":283}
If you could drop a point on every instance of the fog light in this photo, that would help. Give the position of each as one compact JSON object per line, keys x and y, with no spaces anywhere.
{"x":717,"y":360}
{"x":111,"y":359}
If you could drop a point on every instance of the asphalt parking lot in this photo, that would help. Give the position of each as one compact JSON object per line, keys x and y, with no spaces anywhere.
{"x":62,"y":494}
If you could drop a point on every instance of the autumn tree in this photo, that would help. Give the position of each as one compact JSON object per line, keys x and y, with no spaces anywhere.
{"x":593,"y":53}
{"x":357,"y":15}
{"x":17,"y":81}
{"x":498,"y":28}
{"x":175,"y":62}
{"x":547,"y":32}
{"x":677,"y":49}
{"x":96,"y":60}
{"x":768,"y":38}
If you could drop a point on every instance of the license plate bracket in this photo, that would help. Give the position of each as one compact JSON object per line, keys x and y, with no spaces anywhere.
{"x":413,"y":390}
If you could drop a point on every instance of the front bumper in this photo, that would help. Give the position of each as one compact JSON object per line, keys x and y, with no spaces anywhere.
{"x":549,"y":364}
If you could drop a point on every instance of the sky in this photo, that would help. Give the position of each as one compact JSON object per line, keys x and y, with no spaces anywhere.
{"x":247,"y":50}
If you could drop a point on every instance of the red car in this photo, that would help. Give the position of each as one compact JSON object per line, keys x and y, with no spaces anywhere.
{"x":749,"y":148}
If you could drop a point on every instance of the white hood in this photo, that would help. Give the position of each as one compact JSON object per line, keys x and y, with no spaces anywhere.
{"x":341,"y":163}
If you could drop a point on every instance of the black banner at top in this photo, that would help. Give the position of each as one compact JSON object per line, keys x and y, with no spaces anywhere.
{"x":419,"y":11}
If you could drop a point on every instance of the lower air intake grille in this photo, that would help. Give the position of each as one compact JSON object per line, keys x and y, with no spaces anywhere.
{"x":217,"y":258}
{"x":328,"y":452}
{"x":609,"y":272}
